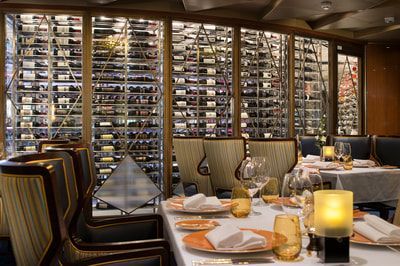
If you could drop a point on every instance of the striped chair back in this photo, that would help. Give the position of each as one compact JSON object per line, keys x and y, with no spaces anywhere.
{"x":34,"y":217}
{"x":189,"y":152}
{"x":281,"y":153}
{"x":224,"y":157}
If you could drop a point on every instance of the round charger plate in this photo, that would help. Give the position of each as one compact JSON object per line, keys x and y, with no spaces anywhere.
{"x":198,"y":241}
{"x":322,"y":168}
{"x":196,"y":225}
{"x":176,"y":204}
{"x":360,"y":239}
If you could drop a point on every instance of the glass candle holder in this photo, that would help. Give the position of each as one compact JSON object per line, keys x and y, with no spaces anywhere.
{"x":286,"y":227}
{"x":347,"y":162}
{"x":241,"y":202}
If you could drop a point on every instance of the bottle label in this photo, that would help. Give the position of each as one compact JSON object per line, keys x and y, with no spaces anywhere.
{"x":26,"y":99}
{"x":28,"y":76}
{"x":28,"y":64}
{"x":26,"y":112}
{"x":62,"y":64}
{"x":63,"y":88}
{"x":30,"y":148}
{"x":180,"y":125}
{"x":208,"y":50}
{"x":62,"y":52}
{"x":266,"y":75}
{"x":26,"y":124}
{"x":178,"y":68}
{"x":210,"y":93}
{"x":266,"y":85}
{"x":244,"y":115}
{"x":180,"y":81}
{"x":105,"y":124}
{"x":107,"y":159}
{"x":63,"y":77}
{"x":210,"y":125}
{"x":107,"y":148}
{"x":243,"y":125}
{"x":62,"y":28}
{"x":179,"y":57}
{"x":180,"y":92}
{"x":178,"y":38}
{"x":210,"y":82}
{"x":178,"y":26}
{"x":63,"y":100}
{"x":62,"y":41}
{"x":106,"y":136}
{"x":211,"y":104}
{"x":27,"y":136}
{"x":211,"y":71}
{"x":61,"y":18}
{"x":28,"y":28}
{"x":211,"y":114}
{"x":179,"y":47}
{"x":209,"y":61}
{"x":181,"y":103}
{"x":105,"y":171}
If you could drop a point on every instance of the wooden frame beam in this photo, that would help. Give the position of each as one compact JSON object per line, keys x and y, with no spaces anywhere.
{"x":211,"y":4}
{"x":375,"y":30}
{"x":87,"y":78}
{"x":271,"y":6}
{"x":332,"y":18}
{"x":236,"y":83}
{"x":2,"y":84}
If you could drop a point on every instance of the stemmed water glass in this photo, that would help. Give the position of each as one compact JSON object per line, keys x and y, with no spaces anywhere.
{"x":338,"y":151}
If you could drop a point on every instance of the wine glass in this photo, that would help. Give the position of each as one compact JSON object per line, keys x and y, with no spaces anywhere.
{"x":270,"y":191}
{"x":338,"y":150}
{"x":261,"y":174}
{"x":347,"y":159}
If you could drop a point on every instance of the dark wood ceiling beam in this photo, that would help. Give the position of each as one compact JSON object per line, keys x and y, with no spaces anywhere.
{"x":204,"y":5}
{"x":375,"y":30}
{"x":271,"y":6}
{"x":332,"y":18}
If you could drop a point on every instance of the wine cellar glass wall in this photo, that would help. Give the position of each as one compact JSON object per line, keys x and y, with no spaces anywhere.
{"x":44,"y":91}
{"x":127,"y":94}
{"x":311,"y":81}
{"x":264,"y":91}
{"x":348,"y":95}
{"x":202,"y":81}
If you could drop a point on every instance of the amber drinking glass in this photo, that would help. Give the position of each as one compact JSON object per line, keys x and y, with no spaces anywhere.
{"x":347,"y":159}
{"x":270,"y":191}
{"x":241,"y":202}
{"x":288,"y":227}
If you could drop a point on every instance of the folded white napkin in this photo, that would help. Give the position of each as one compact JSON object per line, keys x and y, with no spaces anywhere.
{"x":311,"y":158}
{"x":378,"y":230}
{"x":325,"y":165}
{"x":229,"y":237}
{"x":200,"y":201}
{"x":363,"y":163}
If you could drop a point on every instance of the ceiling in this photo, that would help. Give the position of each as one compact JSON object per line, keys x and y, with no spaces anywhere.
{"x":358,"y":19}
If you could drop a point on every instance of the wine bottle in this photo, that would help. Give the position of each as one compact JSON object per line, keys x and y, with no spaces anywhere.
{"x":66,"y":29}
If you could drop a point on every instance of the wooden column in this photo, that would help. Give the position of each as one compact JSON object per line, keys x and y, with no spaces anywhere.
{"x":2,"y":82}
{"x":236,"y":74}
{"x":291,"y":86}
{"x":333,"y":89}
{"x":167,"y":82}
{"x":87,"y":78}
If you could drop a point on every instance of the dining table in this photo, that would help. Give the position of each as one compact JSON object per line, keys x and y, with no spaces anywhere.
{"x":360,"y":254}
{"x":372,"y":184}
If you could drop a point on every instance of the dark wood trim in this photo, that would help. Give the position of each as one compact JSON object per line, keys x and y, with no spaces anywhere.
{"x":291,"y":86}
{"x":168,"y":135}
{"x":333,"y":89}
{"x":375,"y":30}
{"x":51,"y":141}
{"x":236,"y":73}
{"x":2,"y":83}
{"x":99,"y":11}
{"x":87,"y":78}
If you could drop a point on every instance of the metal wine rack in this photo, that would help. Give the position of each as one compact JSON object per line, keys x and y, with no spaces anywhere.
{"x":311,"y":81}
{"x":127,"y":113}
{"x":264,"y":91}
{"x":44,"y":79}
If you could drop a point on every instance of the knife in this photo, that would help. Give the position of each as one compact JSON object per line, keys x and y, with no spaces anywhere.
{"x":202,"y":217}
{"x":244,"y":261}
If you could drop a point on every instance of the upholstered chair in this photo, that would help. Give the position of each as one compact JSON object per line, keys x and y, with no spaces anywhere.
{"x":280,"y":153}
{"x":361,"y":146}
{"x":224,"y":157}
{"x":396,"y":219}
{"x":386,"y":150}
{"x":309,"y":146}
{"x":40,"y":205}
{"x":189,"y":152}
{"x":104,"y":229}
{"x":51,"y":142}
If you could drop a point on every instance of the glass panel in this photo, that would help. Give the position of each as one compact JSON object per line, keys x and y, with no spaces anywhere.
{"x":127,"y":95}
{"x":348,"y":95}
{"x":311,"y":80}
{"x":44,"y":79}
{"x":264,"y":84}
{"x":202,"y":81}
{"x":128,"y":187}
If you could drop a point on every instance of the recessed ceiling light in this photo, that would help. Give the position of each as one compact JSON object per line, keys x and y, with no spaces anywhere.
{"x":389,"y":20}
{"x":326,"y":5}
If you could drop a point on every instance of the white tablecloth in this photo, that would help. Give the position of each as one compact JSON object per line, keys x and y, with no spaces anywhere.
{"x":359,"y":254}
{"x":367,"y":184}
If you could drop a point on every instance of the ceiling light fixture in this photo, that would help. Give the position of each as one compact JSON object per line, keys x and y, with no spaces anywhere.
{"x":326,"y":5}
{"x":389,"y":20}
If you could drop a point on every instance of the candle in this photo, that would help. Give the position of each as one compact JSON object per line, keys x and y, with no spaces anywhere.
{"x":333,"y":213}
{"x":328,"y":153}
